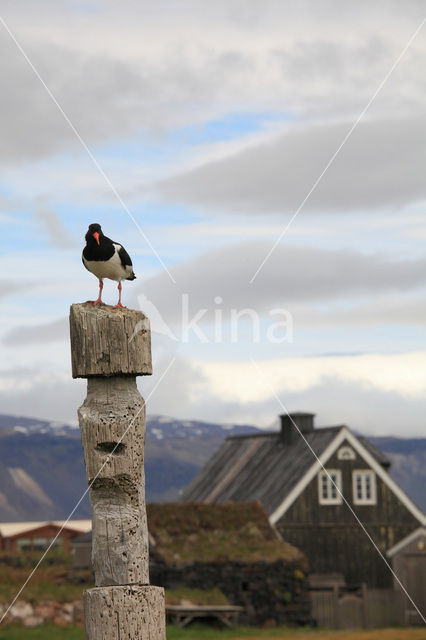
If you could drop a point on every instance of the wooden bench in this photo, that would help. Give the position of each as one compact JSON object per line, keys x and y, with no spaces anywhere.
{"x":182,"y":615}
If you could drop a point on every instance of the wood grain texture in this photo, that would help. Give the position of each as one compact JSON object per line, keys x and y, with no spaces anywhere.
{"x":108,"y":341}
{"x":124,"y":613}
{"x":111,"y":347}
{"x":112,"y":424}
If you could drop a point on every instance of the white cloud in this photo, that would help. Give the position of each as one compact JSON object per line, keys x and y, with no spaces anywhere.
{"x":319,"y":287}
{"x":38,"y":334}
{"x":404,"y":374}
{"x":339,"y":393}
{"x":300,"y":73}
{"x":52,"y":225}
{"x":378,"y":168}
{"x":293,"y":276}
{"x":8,"y":287}
{"x":116,"y":71}
{"x":41,"y":394}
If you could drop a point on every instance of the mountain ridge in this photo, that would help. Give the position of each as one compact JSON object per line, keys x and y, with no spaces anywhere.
{"x":42,"y":474}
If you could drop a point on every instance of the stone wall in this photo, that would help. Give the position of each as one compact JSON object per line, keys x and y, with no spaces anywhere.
{"x":270,"y":592}
{"x":33,"y":615}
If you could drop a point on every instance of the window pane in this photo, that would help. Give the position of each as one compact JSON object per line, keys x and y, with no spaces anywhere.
{"x":358,"y":486}
{"x":324,"y":487}
{"x":23,"y":544}
{"x":364,"y":487}
{"x":368,"y":480}
{"x":328,"y":483}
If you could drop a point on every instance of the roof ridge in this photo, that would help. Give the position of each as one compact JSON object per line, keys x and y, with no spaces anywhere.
{"x":263,"y":434}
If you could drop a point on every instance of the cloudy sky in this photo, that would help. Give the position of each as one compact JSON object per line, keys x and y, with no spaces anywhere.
{"x":262,"y":162}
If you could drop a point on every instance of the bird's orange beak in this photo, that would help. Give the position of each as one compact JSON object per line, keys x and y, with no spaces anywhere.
{"x":96,"y":235}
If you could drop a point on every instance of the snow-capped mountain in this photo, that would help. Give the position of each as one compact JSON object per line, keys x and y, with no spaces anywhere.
{"x":42,"y":473}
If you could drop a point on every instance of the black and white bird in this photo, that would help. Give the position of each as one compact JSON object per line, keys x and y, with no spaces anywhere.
{"x":106,"y":259}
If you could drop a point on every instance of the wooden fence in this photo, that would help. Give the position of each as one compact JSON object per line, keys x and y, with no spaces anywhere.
{"x":343,"y":608}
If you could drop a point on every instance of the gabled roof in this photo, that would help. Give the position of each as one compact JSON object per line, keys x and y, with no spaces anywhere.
{"x":259,"y":467}
{"x":10,"y":529}
{"x":263,"y":468}
{"x":418,"y":533}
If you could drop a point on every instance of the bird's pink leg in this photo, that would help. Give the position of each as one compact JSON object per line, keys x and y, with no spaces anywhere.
{"x":119,"y":296}
{"x":99,"y":301}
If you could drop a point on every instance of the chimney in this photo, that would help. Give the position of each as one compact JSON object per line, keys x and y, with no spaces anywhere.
{"x":303,"y":420}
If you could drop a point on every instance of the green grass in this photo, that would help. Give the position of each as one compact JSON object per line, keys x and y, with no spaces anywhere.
{"x":203,"y":632}
{"x":29,"y":559}
{"x":34,"y":592}
{"x":196,"y":596}
{"x":49,"y":582}
{"x":44,"y":632}
{"x":193,"y":632}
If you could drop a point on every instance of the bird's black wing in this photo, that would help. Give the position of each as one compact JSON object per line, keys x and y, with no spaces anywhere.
{"x":124,"y":257}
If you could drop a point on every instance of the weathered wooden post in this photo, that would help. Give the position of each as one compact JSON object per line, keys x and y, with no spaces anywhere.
{"x":110,"y":347}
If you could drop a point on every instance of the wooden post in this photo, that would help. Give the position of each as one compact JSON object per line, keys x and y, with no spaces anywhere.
{"x":110,"y":347}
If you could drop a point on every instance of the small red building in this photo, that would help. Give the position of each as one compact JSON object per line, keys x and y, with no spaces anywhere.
{"x":32,"y":536}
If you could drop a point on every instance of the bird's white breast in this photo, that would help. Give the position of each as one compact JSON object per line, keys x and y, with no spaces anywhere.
{"x":112,"y":268}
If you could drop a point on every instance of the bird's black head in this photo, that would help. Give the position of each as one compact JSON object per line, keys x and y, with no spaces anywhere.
{"x":94,"y":233}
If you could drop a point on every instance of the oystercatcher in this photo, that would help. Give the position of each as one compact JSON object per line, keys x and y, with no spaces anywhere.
{"x":106,"y":259}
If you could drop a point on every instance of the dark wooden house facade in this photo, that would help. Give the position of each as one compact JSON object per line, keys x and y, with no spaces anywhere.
{"x":408,"y":559}
{"x":327,"y":491}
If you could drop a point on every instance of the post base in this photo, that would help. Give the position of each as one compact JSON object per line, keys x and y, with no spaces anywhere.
{"x":130,"y":611}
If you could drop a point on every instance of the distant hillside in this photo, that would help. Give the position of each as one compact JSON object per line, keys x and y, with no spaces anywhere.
{"x":176,"y":450}
{"x":42,"y":473}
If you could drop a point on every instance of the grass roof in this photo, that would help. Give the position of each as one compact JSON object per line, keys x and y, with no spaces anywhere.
{"x":193,"y":532}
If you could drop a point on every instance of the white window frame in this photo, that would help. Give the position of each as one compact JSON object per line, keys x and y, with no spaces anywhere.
{"x":325,"y":475}
{"x":363,"y":474}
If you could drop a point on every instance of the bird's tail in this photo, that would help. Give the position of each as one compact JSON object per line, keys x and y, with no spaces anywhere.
{"x":131,"y":276}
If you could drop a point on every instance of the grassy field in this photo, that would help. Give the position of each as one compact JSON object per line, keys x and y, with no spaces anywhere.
{"x":49,"y":582}
{"x":15,"y":632}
